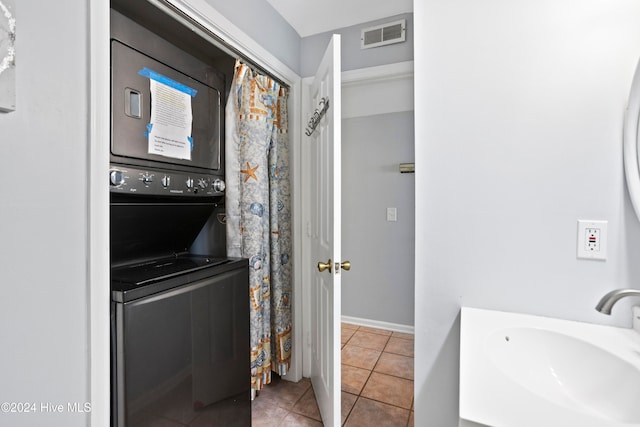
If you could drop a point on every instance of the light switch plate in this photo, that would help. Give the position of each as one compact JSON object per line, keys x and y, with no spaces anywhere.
{"x":592,"y":240}
{"x":392,"y":214}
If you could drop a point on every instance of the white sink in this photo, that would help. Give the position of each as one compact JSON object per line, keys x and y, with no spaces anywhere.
{"x":522,"y":370}
{"x":568,"y":371}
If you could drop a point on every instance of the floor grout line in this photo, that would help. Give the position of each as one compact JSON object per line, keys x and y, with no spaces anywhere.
{"x":373,"y":369}
{"x":359,"y":396}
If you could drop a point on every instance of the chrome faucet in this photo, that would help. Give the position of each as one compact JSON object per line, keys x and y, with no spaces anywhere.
{"x":606,"y":303}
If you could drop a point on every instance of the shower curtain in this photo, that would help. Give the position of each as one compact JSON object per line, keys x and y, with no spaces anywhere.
{"x":259,"y":215}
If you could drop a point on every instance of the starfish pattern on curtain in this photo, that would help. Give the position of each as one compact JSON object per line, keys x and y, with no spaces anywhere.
{"x":259,"y":215}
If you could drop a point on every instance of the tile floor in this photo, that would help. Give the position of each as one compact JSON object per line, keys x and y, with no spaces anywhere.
{"x":377,"y":385}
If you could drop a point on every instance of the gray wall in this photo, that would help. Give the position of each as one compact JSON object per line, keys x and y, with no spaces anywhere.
{"x":259,"y":20}
{"x":43,"y":229}
{"x":304,"y":55}
{"x":519,"y":111}
{"x":381,"y":284}
{"x":313,"y":47}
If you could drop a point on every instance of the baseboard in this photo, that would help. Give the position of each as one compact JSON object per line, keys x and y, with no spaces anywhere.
{"x":396,"y":327}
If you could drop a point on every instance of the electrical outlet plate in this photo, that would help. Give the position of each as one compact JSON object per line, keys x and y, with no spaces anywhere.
{"x":592,"y":239}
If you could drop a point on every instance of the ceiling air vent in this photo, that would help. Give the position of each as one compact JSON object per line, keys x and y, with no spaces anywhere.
{"x":380,"y":35}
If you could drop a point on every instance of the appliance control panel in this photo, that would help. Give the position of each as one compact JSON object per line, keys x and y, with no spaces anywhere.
{"x":134,"y":180}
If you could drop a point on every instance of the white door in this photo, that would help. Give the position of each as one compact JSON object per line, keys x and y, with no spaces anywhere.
{"x":325,"y":236}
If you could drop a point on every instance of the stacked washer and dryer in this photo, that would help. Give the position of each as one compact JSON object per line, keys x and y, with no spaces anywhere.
{"x":179,"y":309}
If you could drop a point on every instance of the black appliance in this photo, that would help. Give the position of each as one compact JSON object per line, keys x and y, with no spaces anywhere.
{"x":180,"y":338}
{"x":167,"y":116}
{"x":179,"y":306}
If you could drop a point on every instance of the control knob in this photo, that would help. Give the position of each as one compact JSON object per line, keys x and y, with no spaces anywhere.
{"x":166,"y":181}
{"x":202,"y":183}
{"x":116,"y":178}
{"x":218,"y":185}
{"x":147,"y":179}
{"x":189,"y":183}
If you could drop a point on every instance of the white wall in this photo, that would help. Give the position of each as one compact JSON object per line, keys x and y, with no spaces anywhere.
{"x":519,"y":110}
{"x":43,"y":222}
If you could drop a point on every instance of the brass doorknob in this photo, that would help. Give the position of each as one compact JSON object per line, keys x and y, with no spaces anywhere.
{"x":322,"y":266}
{"x":346,"y":265}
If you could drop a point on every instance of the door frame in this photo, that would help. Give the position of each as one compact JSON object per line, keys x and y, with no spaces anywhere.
{"x":98,"y":196}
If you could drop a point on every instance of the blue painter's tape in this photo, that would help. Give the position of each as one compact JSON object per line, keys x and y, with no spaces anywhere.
{"x":149,"y":127}
{"x":146,"y":72}
{"x":190,"y":142}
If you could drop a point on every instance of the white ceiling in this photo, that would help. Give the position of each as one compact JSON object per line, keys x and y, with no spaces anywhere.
{"x":310,"y":17}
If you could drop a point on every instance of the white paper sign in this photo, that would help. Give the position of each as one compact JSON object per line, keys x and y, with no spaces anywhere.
{"x":169,"y":132}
